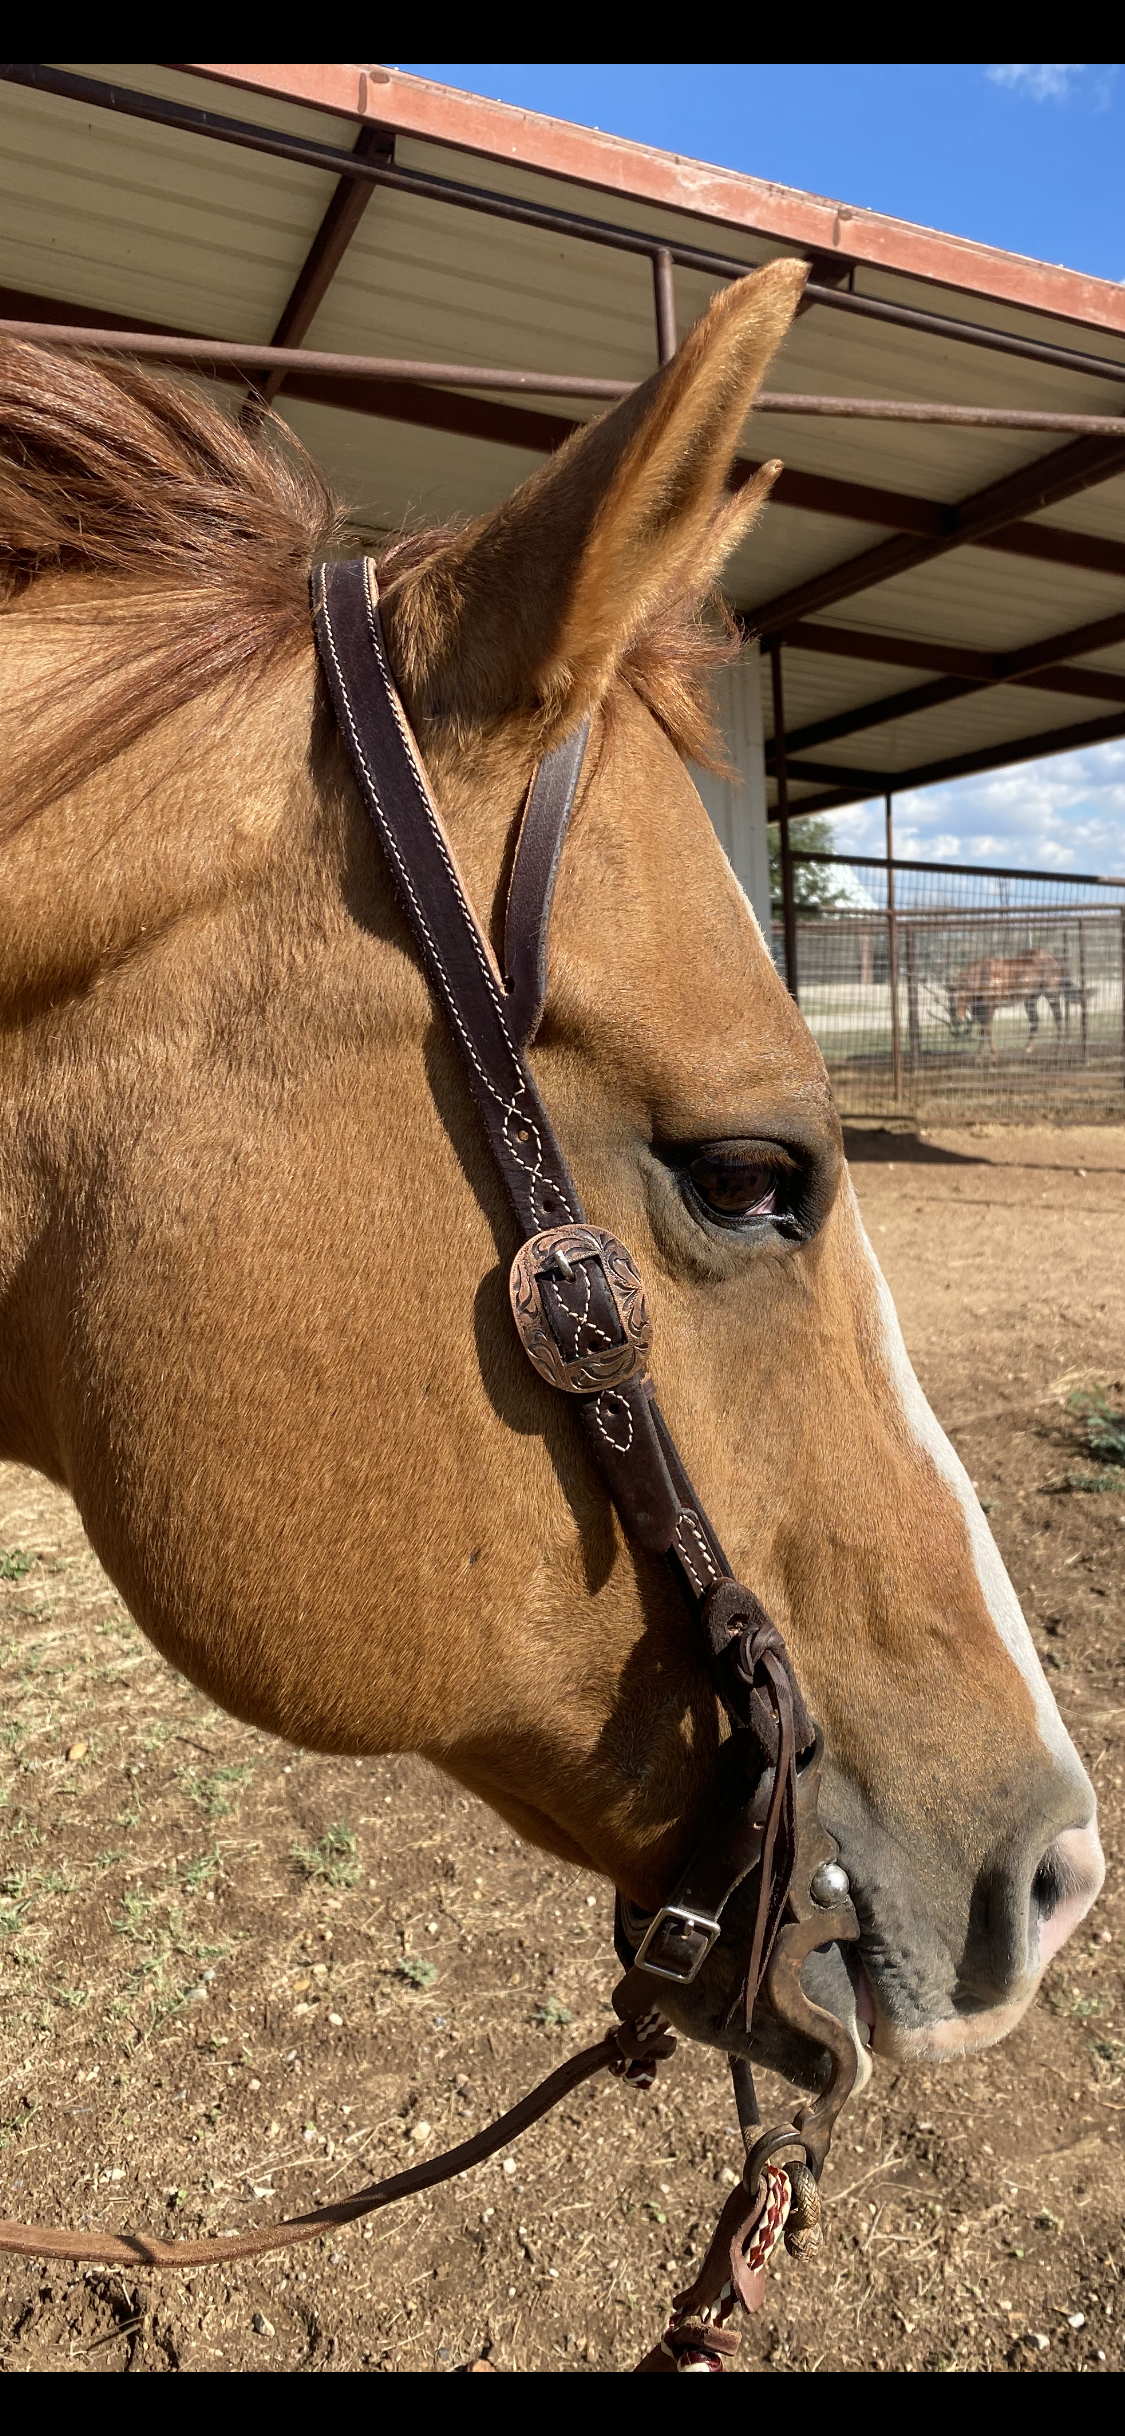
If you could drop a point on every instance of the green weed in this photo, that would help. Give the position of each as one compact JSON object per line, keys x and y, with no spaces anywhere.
{"x":15,"y":1562}
{"x":135,"y":1908}
{"x":22,"y":1889}
{"x":552,"y":2015}
{"x":209,"y":1793}
{"x":159,"y":1734}
{"x":335,"y":1858}
{"x":155,"y":1976}
{"x":418,"y":1970}
{"x":197,"y":1872}
{"x":17,"y":2124}
{"x":1071,"y":2000}
{"x":12,"y":1915}
{"x":1104,"y":1432}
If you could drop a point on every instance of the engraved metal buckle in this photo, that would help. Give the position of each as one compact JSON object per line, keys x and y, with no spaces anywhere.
{"x":558,"y":1254}
{"x":691,"y":1924}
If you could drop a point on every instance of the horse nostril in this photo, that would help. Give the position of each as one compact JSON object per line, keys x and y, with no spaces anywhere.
{"x":1065,"y":1884}
{"x":1047,"y":1886}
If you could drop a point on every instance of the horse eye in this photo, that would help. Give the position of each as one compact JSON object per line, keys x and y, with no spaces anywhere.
{"x":734,"y":1187}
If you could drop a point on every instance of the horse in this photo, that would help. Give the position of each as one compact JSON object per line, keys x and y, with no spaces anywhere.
{"x":254,"y":1251}
{"x":999,"y":981}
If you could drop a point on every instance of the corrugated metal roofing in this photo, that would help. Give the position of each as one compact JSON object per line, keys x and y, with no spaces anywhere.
{"x":140,"y":221}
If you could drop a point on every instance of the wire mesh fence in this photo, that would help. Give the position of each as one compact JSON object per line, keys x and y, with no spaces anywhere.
{"x":962,"y":994}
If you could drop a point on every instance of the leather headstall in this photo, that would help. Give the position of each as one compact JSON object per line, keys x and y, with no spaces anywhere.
{"x":579,"y":1307}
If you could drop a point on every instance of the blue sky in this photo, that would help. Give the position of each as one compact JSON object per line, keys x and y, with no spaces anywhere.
{"x":1029,"y":157}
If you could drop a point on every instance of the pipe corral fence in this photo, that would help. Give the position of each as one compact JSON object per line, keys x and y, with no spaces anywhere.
{"x":952,"y":994}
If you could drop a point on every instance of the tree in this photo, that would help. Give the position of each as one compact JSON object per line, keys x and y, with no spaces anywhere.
{"x":816,"y":887}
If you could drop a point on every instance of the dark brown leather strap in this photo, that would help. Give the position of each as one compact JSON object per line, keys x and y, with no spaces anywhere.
{"x":630,"y":2052}
{"x":571,"y":1293}
{"x":627,"y":1438}
{"x":457,"y":957}
{"x":531,"y":891}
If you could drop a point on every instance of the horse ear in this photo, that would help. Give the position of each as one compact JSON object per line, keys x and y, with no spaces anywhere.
{"x":534,"y":607}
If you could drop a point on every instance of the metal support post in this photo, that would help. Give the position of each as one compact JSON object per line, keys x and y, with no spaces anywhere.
{"x":914,"y":1055}
{"x":788,"y":902}
{"x":1083,"y":1010}
{"x":892,"y":960}
{"x":1122,"y":968}
{"x":664,"y":298}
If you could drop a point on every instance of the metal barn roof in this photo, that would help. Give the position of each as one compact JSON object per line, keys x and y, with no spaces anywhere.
{"x":946,"y":598}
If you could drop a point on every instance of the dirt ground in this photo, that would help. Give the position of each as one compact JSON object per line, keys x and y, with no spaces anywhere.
{"x":234,"y":1979}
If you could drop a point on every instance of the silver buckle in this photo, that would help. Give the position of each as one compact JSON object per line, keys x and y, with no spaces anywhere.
{"x":691,"y":1922}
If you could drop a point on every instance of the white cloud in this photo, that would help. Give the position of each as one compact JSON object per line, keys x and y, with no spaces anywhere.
{"x":1064,"y":814}
{"x":1043,"y":83}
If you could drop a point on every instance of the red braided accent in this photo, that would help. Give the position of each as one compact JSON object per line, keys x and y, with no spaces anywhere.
{"x":698,"y":2342}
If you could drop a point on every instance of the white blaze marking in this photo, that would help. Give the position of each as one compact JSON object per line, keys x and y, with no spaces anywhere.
{"x":999,"y":1596}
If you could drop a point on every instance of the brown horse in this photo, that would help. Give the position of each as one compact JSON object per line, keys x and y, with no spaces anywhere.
{"x":1002,"y":981}
{"x":252,"y":1248}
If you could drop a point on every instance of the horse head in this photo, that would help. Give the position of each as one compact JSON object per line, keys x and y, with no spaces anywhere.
{"x":960,"y":1009}
{"x":254,"y":1251}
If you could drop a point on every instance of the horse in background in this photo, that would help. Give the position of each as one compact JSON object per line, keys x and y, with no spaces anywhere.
{"x":992,"y":982}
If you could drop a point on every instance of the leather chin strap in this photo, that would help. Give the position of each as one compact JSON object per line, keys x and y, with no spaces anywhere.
{"x":578,"y":1303}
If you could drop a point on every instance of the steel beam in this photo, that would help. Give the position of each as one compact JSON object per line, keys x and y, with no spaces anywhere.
{"x":664,"y":304}
{"x":276,"y":359}
{"x":1003,"y":667}
{"x":1050,"y":479}
{"x":858,"y":786}
{"x":908,"y":651}
{"x":876,"y":714}
{"x":522,"y":427}
{"x":948,"y":659}
{"x":838,"y":774}
{"x":327,"y":251}
{"x":788,"y":899}
{"x":991,"y":871}
{"x":729,"y":199}
{"x":93,"y":93}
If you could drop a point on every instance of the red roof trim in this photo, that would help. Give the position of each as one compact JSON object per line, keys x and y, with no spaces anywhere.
{"x":440,"y":114}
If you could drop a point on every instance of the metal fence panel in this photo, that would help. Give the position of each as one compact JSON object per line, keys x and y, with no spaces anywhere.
{"x":974,"y":995}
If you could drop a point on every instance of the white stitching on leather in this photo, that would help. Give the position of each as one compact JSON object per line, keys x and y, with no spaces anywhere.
{"x":687,"y":1522}
{"x":581,"y":1319}
{"x":607,"y":1398}
{"x":685,"y":1561}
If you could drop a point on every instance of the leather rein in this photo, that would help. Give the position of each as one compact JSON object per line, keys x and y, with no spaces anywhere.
{"x":579,"y":1308}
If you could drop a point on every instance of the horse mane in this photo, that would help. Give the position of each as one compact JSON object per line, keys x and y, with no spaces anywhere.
{"x":202,"y":529}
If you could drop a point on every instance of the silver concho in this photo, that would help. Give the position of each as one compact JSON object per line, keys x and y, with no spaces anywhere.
{"x":829,"y":1885}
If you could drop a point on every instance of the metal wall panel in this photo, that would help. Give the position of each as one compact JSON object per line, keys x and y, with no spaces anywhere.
{"x":389,"y":481}
{"x":145,"y":221}
{"x":737,"y":807}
